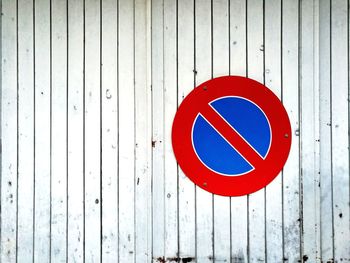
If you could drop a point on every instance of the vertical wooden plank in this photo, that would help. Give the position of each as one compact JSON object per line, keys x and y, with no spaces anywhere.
{"x":110,"y":126}
{"x":316,"y":111}
{"x":170,"y":106}
{"x":92,"y":131}
{"x":340,"y":136}
{"x":309,"y":174}
{"x":25,"y":131}
{"x":59,"y":131}
{"x":204,"y":200}
{"x":185,"y":17}
{"x":42,"y":132}
{"x":272,"y":46}
{"x":221,"y":66}
{"x":126,"y":131}
{"x":290,"y":89}
{"x":143,"y":124}
{"x":158,"y":198}
{"x":255,"y":69}
{"x":238,"y":53}
{"x":75,"y":131}
{"x":238,"y":38}
{"x":8,"y":130}
{"x":326,"y":226}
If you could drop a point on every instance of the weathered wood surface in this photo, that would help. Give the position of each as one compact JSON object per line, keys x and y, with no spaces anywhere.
{"x":89,"y":89}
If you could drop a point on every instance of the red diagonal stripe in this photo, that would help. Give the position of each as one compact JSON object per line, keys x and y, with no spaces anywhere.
{"x":232,"y":136}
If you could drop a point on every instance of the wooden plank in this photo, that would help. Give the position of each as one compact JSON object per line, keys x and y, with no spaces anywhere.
{"x":8,"y":130}
{"x":42,"y":132}
{"x":110,"y":127}
{"x":92,"y":132}
{"x":272,"y":46}
{"x":204,"y":199}
{"x":290,"y":89}
{"x":255,"y":64}
{"x":126,"y":131}
{"x":170,"y":106}
{"x":340,"y":121}
{"x":75,"y":235}
{"x":326,"y":226}
{"x":221,"y":66}
{"x":143,"y":125}
{"x":308,"y":104}
{"x":25,"y":132}
{"x":158,"y":194}
{"x":59,"y":131}
{"x":185,"y":18}
{"x":238,"y":38}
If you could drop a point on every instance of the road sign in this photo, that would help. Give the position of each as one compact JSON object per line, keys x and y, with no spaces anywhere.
{"x":231,"y":136}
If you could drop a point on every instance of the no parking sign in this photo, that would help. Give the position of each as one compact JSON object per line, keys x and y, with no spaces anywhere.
{"x":231,"y":136}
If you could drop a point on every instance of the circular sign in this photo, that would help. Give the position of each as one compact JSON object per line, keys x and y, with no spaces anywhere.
{"x":231,"y":136}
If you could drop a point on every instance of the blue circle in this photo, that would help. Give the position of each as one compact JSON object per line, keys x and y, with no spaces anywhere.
{"x":215,"y":151}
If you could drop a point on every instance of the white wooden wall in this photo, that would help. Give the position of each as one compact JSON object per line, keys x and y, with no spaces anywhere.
{"x":89,"y":89}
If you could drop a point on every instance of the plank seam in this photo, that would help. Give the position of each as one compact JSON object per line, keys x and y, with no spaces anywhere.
{"x":50,"y":220}
{"x":34,"y":130}
{"x":17,"y":137}
{"x":84,"y":132}
{"x":101,"y":137}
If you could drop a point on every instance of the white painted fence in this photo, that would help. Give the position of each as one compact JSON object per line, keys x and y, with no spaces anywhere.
{"x":89,"y":89}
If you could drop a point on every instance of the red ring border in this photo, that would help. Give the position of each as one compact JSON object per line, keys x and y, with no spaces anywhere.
{"x":216,"y":183}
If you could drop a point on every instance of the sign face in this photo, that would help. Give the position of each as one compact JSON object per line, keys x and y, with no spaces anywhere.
{"x":231,"y":136}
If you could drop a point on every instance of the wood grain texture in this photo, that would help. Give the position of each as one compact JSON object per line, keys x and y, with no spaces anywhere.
{"x":203,"y":69}
{"x":273,"y":80}
{"x":59,"y":131}
{"x":9,"y":131}
{"x":89,"y":90}
{"x":42,"y":122}
{"x":92,"y":132}
{"x":185,"y":82}
{"x":221,"y":62}
{"x":75,"y":101}
{"x":25,"y":132}
{"x":126,"y":83}
{"x":309,"y":128}
{"x":255,"y":69}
